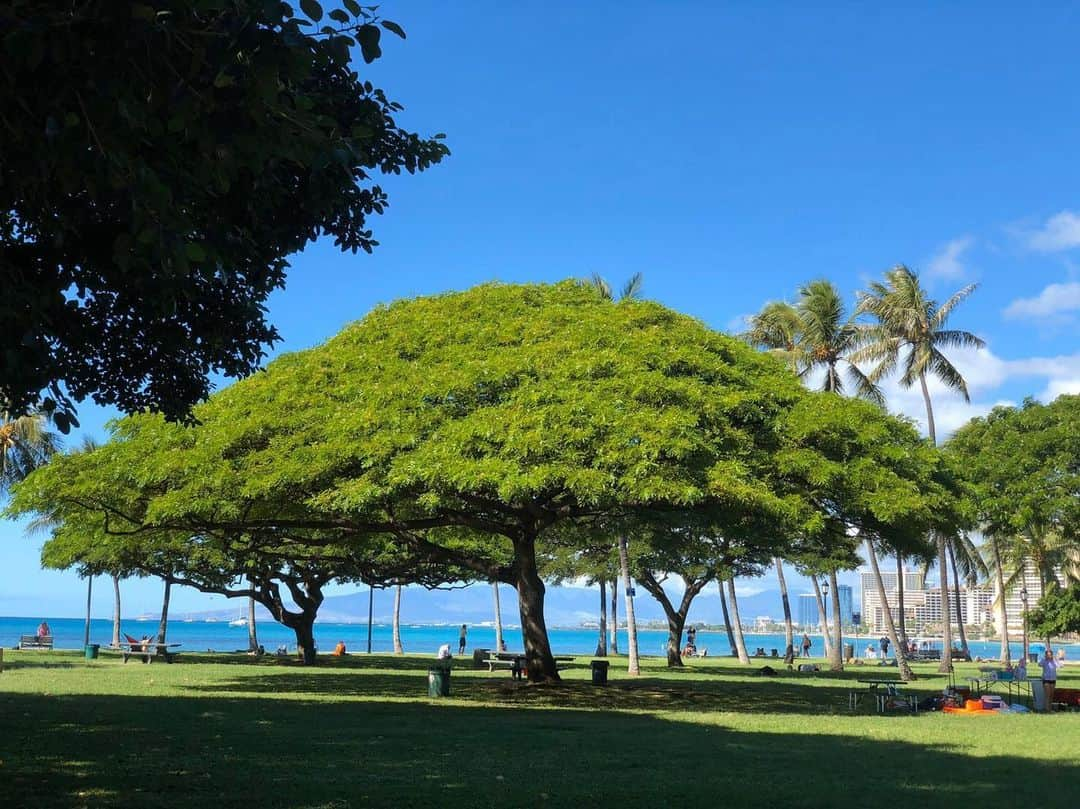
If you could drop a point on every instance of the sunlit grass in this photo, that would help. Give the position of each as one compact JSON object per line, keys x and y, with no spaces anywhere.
{"x":361,"y":731}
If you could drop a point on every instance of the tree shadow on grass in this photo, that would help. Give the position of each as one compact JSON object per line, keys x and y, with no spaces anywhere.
{"x":640,"y":694}
{"x":111,"y":751}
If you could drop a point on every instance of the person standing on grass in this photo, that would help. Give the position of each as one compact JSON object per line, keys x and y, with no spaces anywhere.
{"x":461,"y":641}
{"x":806,"y":644}
{"x":1049,"y":676}
{"x":884,"y":644}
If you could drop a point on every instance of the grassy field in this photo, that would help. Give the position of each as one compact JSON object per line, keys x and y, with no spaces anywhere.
{"x":232,"y":731}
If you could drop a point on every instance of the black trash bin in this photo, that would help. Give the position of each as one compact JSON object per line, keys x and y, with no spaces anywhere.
{"x":438,"y":682}
{"x":849,"y":651}
{"x":599,"y":671}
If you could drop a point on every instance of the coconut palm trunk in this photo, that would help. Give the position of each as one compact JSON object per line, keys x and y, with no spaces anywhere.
{"x":901,"y":617}
{"x":959,"y":607}
{"x":789,"y":630}
{"x":614,"y":626}
{"x":498,"y":617}
{"x":906,"y":674}
{"x":253,"y":632}
{"x":398,"y":648}
{"x":633,"y":665}
{"x":727,"y":618}
{"x":89,"y":594}
{"x":116,"y":613}
{"x":601,"y":642}
{"x":943,"y":562}
{"x":825,"y":639}
{"x":736,"y":622}
{"x":1005,"y":655}
{"x":163,"y":625}
{"x":836,"y":656}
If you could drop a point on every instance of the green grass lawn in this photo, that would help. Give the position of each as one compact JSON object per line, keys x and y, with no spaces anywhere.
{"x":217,"y":731}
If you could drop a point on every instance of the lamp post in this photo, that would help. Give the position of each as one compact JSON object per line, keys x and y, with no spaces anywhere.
{"x":1024,"y":603}
{"x":370,"y":611}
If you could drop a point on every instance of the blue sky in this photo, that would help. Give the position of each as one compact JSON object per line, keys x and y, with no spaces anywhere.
{"x":729,"y":153}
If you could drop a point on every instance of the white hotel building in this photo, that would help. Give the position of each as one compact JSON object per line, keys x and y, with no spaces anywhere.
{"x":922,"y":605}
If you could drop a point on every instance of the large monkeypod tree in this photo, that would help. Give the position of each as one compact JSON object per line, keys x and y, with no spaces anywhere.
{"x":474,"y":427}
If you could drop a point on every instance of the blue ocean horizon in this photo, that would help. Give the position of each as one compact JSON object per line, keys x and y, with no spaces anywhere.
{"x":218,"y":636}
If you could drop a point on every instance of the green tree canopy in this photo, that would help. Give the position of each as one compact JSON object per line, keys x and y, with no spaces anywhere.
{"x":472,"y":427}
{"x":1058,"y":612}
{"x":161,"y":160}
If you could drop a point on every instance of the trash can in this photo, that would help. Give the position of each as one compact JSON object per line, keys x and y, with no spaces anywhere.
{"x":92,"y":650}
{"x":599,"y":671}
{"x":438,"y":682}
{"x":849,"y":651}
{"x":1033,"y":657}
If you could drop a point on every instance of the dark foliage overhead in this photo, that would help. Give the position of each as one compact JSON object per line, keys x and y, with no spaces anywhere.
{"x":160,"y":162}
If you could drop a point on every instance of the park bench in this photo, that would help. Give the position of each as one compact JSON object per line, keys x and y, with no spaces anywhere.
{"x":886,"y":694}
{"x":35,"y":642}
{"x":515,"y":662}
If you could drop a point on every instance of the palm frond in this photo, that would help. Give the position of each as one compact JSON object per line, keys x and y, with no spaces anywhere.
{"x":946,"y":309}
{"x":946,"y":372}
{"x":631,"y":290}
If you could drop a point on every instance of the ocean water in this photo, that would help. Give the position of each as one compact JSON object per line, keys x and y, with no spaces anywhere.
{"x":201,"y":636}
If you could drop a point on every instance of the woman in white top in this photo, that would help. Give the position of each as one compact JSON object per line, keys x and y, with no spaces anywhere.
{"x":1049,"y":676}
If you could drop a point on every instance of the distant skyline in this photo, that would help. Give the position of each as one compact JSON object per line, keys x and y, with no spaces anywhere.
{"x":727,"y":153}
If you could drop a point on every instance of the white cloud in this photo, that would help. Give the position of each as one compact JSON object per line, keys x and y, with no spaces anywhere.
{"x":947,"y":262}
{"x":1061,"y":232}
{"x":1054,"y":300}
{"x":738,"y":324}
{"x":1060,"y":387}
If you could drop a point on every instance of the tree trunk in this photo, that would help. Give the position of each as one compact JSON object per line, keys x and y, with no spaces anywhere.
{"x":303,"y":624}
{"x":253,"y":633}
{"x":498,"y":617}
{"x":946,"y":623}
{"x":398,"y":648}
{"x":959,"y":607}
{"x":164,"y":623}
{"x":614,"y":626}
{"x":740,"y":643}
{"x":823,"y":618}
{"x":676,"y":617}
{"x":633,"y":664}
{"x":727,"y":618}
{"x":539,"y":662}
{"x":901,"y":618}
{"x":836,"y":656}
{"x":906,"y":674}
{"x":89,"y":594}
{"x":789,"y":630}
{"x":601,"y":643}
{"x":116,"y":613}
{"x":1005,"y":655}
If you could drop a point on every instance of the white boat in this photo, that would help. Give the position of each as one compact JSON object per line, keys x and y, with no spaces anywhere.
{"x":241,"y":621}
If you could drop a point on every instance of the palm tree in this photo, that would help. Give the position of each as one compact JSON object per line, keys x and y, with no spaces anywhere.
{"x":906,"y":674}
{"x":968,"y":565}
{"x":498,"y":618}
{"x":633,"y":665}
{"x":828,"y":339}
{"x":735,"y":624}
{"x":631,"y":290}
{"x":398,"y":648}
{"x":789,"y":630}
{"x":910,"y":330}
{"x":25,"y":444}
{"x":992,"y":549}
{"x":116,"y":612}
{"x":253,"y":632}
{"x":778,"y":330}
{"x":614,"y":625}
{"x":727,"y":616}
{"x":601,"y":643}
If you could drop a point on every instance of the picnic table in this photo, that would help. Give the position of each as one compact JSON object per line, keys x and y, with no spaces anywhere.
{"x":148,"y":651}
{"x":886,"y":693}
{"x":515,"y":661}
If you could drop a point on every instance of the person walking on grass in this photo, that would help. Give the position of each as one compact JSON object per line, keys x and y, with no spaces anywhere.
{"x":884,"y":644}
{"x":1049,"y":676}
{"x":461,"y":641}
{"x":806,"y":644}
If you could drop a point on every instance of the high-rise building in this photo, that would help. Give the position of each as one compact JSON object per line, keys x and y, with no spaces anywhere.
{"x":808,"y":611}
{"x":843,"y":592}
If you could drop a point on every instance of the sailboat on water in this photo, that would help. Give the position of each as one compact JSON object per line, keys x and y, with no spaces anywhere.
{"x":240,"y":621}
